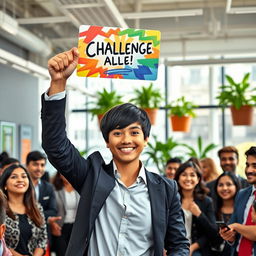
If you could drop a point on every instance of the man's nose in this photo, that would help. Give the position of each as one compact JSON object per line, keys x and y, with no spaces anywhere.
{"x":126,"y":138}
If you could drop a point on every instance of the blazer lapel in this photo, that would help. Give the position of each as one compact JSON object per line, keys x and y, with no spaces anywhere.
{"x":243,"y":203}
{"x":104,"y":186}
{"x":157,"y":200}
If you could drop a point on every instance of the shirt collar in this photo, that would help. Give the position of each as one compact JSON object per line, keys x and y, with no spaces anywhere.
{"x":253,"y":189}
{"x":38,"y":184}
{"x":141,"y":176}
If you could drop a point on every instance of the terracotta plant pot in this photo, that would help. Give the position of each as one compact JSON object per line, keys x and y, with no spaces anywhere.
{"x":242,"y":116}
{"x":152,"y":113}
{"x":99,"y":116}
{"x":181,"y":124}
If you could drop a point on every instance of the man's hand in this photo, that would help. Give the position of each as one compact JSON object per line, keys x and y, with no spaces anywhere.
{"x":55,"y":227}
{"x":228,"y":235}
{"x":60,"y":68}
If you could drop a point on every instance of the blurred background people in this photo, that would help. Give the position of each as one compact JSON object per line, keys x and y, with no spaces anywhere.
{"x":8,"y":162}
{"x":227,"y":186}
{"x":197,"y":208}
{"x":171,"y":167}
{"x":228,"y":161}
{"x":4,"y":251}
{"x":209,"y":169}
{"x":44,"y":191}
{"x":25,"y":225}
{"x":242,"y":228}
{"x":35,"y":163}
{"x":67,"y":201}
{"x":3,"y":156}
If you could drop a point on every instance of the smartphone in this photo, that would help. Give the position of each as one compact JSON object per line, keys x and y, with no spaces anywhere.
{"x":222,"y":224}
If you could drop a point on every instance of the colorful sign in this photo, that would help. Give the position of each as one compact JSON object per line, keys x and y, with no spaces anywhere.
{"x":107,"y":52}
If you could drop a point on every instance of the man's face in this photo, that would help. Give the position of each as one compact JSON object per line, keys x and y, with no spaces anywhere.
{"x":36,"y":169}
{"x":127,"y":144}
{"x":250,"y":170}
{"x":171,"y":169}
{"x":228,"y":161}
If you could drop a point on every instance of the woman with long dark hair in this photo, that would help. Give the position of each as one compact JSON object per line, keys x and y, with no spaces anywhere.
{"x":226,"y":188}
{"x":25,"y":225}
{"x":197,"y":208}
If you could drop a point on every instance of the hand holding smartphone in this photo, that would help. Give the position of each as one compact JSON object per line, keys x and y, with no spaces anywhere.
{"x":222,"y":224}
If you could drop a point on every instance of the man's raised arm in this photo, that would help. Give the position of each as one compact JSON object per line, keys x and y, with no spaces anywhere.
{"x":60,"y":67}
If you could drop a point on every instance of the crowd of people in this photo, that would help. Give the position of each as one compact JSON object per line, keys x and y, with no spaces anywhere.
{"x":38,"y":214}
{"x":98,"y":209}
{"x":225,"y":203}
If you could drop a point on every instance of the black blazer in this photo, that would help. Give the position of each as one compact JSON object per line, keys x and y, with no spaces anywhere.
{"x":204,"y":229}
{"x":94,"y":181}
{"x":47,"y":199}
{"x":238,"y":215}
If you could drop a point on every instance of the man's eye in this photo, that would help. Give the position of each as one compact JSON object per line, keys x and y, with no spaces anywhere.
{"x":117,"y":133}
{"x":135,"y":132}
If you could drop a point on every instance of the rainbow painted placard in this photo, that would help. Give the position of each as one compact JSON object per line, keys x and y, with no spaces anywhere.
{"x":108,"y":52}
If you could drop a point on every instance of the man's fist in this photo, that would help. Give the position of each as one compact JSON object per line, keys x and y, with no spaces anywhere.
{"x":62,"y":65}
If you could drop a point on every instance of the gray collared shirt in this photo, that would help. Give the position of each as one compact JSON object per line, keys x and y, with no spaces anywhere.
{"x":124,"y":224}
{"x":37,"y":189}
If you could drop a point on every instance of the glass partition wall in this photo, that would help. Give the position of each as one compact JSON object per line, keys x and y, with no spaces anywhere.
{"x":199,"y":84}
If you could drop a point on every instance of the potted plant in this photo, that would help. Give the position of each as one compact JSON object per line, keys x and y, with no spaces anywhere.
{"x":159,"y":153}
{"x":239,"y":97}
{"x":148,"y":99}
{"x":181,"y":112}
{"x":200,"y":152}
{"x":106,"y":100}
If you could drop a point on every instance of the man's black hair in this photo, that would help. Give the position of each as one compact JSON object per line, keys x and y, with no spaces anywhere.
{"x":251,"y":152}
{"x":174,"y":160}
{"x":35,"y":156}
{"x":123,"y":115}
{"x":2,"y":207}
{"x":9,"y":160}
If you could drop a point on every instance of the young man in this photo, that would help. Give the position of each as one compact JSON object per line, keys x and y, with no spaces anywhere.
{"x":35,"y":163}
{"x":242,"y":233}
{"x":171,"y":167}
{"x":123,"y":209}
{"x":4,"y":251}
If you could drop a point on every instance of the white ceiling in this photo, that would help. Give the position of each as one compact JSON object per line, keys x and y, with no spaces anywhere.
{"x":188,"y":27}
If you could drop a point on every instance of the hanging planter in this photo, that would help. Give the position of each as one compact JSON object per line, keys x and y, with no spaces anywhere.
{"x":180,"y":123}
{"x":148,"y":99}
{"x":242,"y":116}
{"x":181,"y":113}
{"x":152,"y":114}
{"x":99,"y":116}
{"x":241,"y":97}
{"x":105,"y":101}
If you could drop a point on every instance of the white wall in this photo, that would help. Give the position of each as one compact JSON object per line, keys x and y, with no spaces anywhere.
{"x":19,"y":101}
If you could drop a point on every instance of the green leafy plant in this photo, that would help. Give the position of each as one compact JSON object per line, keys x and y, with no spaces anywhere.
{"x":147,"y":97}
{"x":180,"y":107}
{"x":106,"y":100}
{"x":237,"y":94}
{"x":200,"y":152}
{"x":158,"y":152}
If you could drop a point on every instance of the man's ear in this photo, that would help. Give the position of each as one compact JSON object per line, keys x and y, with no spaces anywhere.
{"x":146,"y":140}
{"x":2,"y":230}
